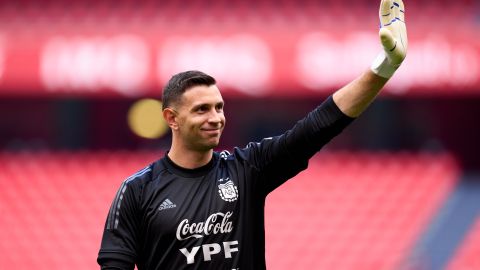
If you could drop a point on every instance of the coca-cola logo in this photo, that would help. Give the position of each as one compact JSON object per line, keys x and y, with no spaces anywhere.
{"x":217,"y":223}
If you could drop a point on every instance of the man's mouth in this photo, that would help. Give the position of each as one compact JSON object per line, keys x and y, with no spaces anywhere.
{"x":212,"y":131}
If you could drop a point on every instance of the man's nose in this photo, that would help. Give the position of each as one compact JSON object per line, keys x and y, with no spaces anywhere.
{"x":215,"y":117}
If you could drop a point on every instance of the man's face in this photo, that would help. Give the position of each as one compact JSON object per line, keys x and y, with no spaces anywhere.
{"x":200,"y":117}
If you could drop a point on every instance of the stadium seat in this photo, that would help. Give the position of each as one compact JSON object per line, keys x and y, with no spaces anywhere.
{"x":355,"y":211}
{"x":288,"y":13}
{"x":347,"y":211}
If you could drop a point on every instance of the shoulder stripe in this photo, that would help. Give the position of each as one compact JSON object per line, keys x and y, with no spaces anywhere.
{"x":112,"y":221}
{"x":138,"y":174}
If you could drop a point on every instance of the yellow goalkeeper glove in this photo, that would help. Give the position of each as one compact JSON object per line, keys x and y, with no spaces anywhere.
{"x":393,"y":36}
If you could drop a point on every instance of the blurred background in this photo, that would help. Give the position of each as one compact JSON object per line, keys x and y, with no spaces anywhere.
{"x":80,"y":86}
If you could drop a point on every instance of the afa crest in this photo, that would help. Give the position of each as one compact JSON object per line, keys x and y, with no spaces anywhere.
{"x":228,"y":191}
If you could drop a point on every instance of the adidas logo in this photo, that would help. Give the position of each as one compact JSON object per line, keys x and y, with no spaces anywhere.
{"x":167,"y":204}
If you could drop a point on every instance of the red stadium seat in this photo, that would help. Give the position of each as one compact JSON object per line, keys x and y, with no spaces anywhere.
{"x":347,"y":211}
{"x":224,"y":13}
{"x":53,"y":206}
{"x":355,"y":211}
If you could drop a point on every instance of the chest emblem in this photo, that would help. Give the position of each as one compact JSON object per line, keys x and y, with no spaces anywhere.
{"x":228,"y":191}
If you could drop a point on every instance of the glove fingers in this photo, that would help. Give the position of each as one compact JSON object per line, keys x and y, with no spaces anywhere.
{"x":385,"y":13}
{"x":398,"y":26}
{"x":399,"y":10}
{"x":402,"y":28}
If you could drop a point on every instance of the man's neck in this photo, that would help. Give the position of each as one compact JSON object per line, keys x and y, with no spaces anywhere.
{"x":190,"y":159}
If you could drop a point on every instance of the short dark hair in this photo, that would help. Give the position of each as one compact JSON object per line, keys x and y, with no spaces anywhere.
{"x":179,"y":83}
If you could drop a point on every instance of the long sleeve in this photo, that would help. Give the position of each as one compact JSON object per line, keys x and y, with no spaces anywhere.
{"x":282,"y":157}
{"x":121,"y":239}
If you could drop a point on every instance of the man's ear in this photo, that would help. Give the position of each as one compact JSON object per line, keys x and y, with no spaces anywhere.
{"x":170,"y":117}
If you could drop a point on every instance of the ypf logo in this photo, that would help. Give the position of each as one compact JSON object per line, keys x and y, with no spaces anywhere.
{"x":228,"y":191}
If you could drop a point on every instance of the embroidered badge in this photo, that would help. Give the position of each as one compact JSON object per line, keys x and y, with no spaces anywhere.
{"x":228,"y":191}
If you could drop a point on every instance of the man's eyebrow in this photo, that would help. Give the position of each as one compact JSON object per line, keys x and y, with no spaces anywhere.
{"x":197,"y":106}
{"x":208,"y":105}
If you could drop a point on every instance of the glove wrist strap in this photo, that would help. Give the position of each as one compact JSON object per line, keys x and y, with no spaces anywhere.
{"x":382,"y":67}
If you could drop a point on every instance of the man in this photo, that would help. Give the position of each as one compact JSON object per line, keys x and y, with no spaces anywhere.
{"x":199,"y":209}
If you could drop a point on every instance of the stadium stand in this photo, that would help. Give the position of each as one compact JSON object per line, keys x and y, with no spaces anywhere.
{"x":286,"y":12}
{"x":53,"y":205}
{"x":355,"y":211}
{"x":347,"y":211}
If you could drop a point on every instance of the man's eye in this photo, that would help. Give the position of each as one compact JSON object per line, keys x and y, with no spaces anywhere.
{"x":202,"y":109}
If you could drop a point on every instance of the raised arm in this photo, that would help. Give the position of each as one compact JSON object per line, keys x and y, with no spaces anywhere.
{"x":355,"y":97}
